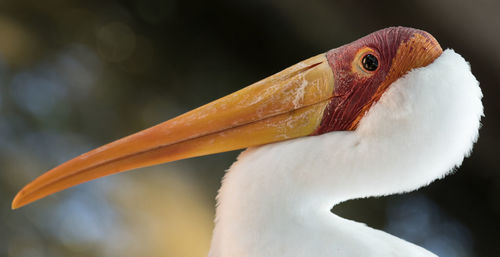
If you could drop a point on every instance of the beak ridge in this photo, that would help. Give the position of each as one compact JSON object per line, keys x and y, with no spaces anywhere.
{"x":286,"y":105}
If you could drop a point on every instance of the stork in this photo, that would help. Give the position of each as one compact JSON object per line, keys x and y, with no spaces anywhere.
{"x":388,"y":113}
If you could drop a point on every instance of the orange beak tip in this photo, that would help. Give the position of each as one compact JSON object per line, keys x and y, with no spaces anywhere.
{"x":16,"y":202}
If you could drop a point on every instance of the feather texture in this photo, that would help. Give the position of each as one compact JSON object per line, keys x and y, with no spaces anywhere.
{"x":276,"y":199}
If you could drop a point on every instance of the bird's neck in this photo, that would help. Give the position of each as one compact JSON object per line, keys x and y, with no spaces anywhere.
{"x":276,"y":201}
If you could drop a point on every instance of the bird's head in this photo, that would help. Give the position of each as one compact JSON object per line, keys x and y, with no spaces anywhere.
{"x":364,"y":69}
{"x":326,"y":93}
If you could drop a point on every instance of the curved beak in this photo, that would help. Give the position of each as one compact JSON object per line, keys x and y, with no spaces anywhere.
{"x":286,"y":105}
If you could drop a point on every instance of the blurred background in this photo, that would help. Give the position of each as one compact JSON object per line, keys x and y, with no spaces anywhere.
{"x":77,"y":74}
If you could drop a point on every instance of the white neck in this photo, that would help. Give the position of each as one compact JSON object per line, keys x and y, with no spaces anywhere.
{"x":276,"y":199}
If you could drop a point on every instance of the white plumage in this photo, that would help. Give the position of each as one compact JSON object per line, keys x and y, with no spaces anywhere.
{"x":276,"y":199}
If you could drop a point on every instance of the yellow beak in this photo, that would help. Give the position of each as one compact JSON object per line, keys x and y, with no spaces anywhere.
{"x":286,"y":105}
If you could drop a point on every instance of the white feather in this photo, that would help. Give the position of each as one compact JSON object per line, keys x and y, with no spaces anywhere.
{"x":275,"y":200}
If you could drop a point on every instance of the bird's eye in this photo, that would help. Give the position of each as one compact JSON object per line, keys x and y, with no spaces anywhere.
{"x":370,"y":62}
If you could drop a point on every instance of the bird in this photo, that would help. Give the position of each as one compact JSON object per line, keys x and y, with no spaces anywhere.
{"x":388,"y":113}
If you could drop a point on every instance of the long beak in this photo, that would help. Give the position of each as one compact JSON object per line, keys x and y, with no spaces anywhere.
{"x":286,"y":105}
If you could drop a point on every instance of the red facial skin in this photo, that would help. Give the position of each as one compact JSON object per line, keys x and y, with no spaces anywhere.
{"x":357,"y":89}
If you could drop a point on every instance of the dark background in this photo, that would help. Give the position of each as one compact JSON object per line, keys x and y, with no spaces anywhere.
{"x":77,"y":74}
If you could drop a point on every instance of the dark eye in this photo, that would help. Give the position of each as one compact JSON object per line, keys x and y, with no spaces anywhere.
{"x":370,"y":62}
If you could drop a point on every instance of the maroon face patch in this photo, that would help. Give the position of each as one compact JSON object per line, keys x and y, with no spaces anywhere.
{"x":365,"y":68}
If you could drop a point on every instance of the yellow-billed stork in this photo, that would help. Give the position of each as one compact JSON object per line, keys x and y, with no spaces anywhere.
{"x":385,"y":114}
